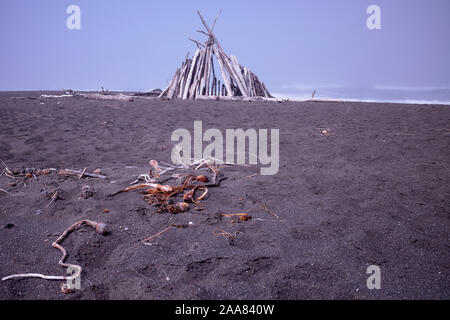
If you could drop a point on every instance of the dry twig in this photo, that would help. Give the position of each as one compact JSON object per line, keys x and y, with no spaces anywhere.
{"x":241,"y":216}
{"x":148,"y":239}
{"x":81,"y":173}
{"x":220,"y":232}
{"x":54,"y":197}
{"x":266,"y":207}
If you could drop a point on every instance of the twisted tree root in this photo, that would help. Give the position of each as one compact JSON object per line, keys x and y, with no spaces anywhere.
{"x":99,"y":228}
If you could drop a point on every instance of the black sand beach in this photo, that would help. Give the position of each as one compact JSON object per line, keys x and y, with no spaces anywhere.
{"x":373,"y":190}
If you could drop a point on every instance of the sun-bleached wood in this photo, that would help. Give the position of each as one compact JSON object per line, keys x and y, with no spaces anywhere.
{"x":196,"y":78}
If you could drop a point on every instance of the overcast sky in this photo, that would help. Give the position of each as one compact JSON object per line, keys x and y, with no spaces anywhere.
{"x":137,"y":45}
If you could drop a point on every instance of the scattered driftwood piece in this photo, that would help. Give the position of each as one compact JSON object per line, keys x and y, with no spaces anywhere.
{"x":105,"y":92}
{"x":100,"y":96}
{"x":241,"y":216}
{"x":153,"y":93}
{"x":192,"y":67}
{"x":223,"y":233}
{"x":54,"y":197}
{"x":159,"y":187}
{"x":197,"y":42}
{"x":65,"y":287}
{"x":266,"y":207}
{"x":56,"y":96}
{"x":147,"y":240}
{"x":81,"y":173}
{"x":237,"y":98}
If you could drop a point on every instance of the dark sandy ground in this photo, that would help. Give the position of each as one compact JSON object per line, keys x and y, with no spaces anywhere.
{"x":374,"y":190}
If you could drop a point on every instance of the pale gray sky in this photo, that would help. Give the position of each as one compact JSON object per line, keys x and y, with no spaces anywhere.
{"x":291,"y":45}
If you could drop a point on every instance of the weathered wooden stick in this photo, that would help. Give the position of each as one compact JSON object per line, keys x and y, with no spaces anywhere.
{"x":178,"y":92}
{"x":240,"y":80}
{"x":235,"y":98}
{"x":258,"y":87}
{"x":120,"y":96}
{"x":168,"y":87}
{"x":233,"y":75}
{"x":174,"y":85}
{"x":197,"y":42}
{"x":197,"y":79}
{"x":251,"y":85}
{"x":164,"y":92}
{"x":215,"y":20}
{"x":248,"y":82}
{"x":266,"y":91}
{"x":201,"y":87}
{"x":208,"y":71}
{"x":222,"y":70}
{"x":200,"y":73}
{"x":203,"y":32}
{"x":245,"y":76}
{"x":213,"y":85}
{"x":203,"y":75}
{"x":172,"y":88}
{"x":78,"y":173}
{"x":191,"y":72}
{"x":213,"y":37}
{"x":49,"y":96}
{"x":182,"y":78}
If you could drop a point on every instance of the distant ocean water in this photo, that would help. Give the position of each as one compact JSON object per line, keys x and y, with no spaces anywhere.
{"x":413,"y":95}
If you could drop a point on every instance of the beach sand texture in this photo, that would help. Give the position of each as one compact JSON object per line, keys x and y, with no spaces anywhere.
{"x":372,"y":190}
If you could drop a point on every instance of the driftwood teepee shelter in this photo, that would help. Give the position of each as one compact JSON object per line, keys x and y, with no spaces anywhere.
{"x":196,"y":78}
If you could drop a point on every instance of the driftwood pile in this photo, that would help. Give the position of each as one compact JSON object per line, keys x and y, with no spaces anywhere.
{"x":196,"y":78}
